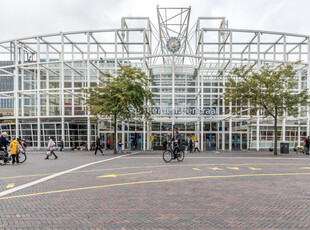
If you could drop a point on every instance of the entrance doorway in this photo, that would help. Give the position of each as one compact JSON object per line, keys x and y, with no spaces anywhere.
{"x":211,"y":141}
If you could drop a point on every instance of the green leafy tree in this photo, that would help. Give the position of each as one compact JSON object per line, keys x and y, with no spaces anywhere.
{"x":121,"y":97}
{"x":271,"y":91}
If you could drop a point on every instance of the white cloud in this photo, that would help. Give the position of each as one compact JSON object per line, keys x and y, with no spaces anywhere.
{"x":20,"y":18}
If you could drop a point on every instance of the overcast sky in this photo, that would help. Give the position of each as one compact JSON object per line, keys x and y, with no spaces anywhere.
{"x":20,"y":18}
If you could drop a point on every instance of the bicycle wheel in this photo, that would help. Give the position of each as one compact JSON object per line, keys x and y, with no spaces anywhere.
{"x":2,"y":161}
{"x":22,"y":157}
{"x":167,"y":156}
{"x":180,"y":156}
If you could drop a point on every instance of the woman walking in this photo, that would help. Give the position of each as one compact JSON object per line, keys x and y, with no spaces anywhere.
{"x":13,"y":145}
{"x":196,"y":147}
{"x":61,"y":144}
{"x":51,"y":148}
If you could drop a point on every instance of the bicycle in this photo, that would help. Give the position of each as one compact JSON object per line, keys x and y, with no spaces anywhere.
{"x":168,"y":155}
{"x":22,"y":157}
{"x":4,"y":157}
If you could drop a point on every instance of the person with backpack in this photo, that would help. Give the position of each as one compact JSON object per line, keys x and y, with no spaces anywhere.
{"x":191,"y":145}
{"x":98,"y":145}
{"x":51,"y":148}
{"x":23,"y":144}
{"x":14,"y":153}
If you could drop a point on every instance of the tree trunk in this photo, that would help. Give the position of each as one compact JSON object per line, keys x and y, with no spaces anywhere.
{"x":115,"y":134}
{"x":275,"y":147}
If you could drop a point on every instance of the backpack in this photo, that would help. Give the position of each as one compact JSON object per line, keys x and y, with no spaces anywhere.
{"x":19,"y":149}
{"x":191,"y":142}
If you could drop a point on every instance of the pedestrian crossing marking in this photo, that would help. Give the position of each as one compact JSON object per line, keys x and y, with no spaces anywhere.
{"x":215,"y":168}
{"x":233,"y":168}
{"x":304,"y":168}
{"x":197,"y":169}
{"x":255,"y":168}
{"x":10,"y":185}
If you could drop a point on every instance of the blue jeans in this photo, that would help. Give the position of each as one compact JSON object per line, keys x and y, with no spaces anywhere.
{"x":307,"y":150}
{"x":186,"y":147}
{"x":119,"y":149}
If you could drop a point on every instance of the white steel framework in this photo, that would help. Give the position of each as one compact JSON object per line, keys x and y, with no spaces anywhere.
{"x":49,"y":71}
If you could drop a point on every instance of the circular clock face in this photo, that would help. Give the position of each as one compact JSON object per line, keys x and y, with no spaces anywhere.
{"x":173,"y":44}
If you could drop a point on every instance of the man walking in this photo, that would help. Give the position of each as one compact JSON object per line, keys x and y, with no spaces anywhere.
{"x":307,"y":143}
{"x":98,"y":145}
{"x":119,"y":149}
{"x":191,"y":145}
{"x":61,"y":144}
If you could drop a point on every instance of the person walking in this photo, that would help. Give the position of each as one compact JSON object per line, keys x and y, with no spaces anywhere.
{"x":61,"y":144}
{"x":51,"y":148}
{"x":23,"y":144}
{"x":307,"y":144}
{"x":191,"y":143}
{"x":13,"y":145}
{"x":196,"y":147}
{"x":98,"y":145}
{"x":119,"y":149}
{"x":108,"y":144}
{"x":186,"y":145}
{"x":3,"y":145}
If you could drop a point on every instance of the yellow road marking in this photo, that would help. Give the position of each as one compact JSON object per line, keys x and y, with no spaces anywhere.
{"x":255,"y":168}
{"x":150,"y":166}
{"x":151,"y":181}
{"x":304,"y":168}
{"x":127,"y":174}
{"x":197,"y":169}
{"x":215,"y":168}
{"x":10,"y":185}
{"x":233,"y":168}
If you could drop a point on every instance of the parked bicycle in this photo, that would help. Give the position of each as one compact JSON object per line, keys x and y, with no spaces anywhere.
{"x":173,"y":153}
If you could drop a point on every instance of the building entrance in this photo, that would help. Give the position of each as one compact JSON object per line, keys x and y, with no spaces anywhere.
{"x":211,"y":141}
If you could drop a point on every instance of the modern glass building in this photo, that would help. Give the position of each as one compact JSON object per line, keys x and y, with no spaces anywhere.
{"x":42,"y":77}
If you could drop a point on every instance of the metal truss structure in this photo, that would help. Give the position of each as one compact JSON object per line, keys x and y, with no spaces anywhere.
{"x":49,"y":71}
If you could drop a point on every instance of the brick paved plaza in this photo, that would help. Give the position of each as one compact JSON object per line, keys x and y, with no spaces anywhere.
{"x":209,"y":190}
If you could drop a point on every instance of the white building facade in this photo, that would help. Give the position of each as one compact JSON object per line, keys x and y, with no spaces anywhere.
{"x":42,"y":77}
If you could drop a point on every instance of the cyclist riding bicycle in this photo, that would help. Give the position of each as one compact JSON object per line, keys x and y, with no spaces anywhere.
{"x":176,"y":140}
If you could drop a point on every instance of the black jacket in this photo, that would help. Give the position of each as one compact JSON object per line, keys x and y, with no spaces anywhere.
{"x":3,"y":142}
{"x":307,"y":142}
{"x":98,"y":142}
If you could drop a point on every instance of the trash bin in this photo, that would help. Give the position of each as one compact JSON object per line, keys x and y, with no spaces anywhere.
{"x":284,"y":148}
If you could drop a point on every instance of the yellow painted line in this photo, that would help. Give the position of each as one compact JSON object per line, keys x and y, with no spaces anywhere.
{"x":233,"y":168}
{"x":255,"y":169}
{"x":151,"y":166}
{"x":10,"y":185}
{"x":127,"y":174}
{"x":196,"y":169}
{"x":152,"y":181}
{"x":215,"y":168}
{"x":304,"y":168}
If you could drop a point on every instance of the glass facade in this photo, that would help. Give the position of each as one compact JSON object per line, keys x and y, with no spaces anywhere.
{"x":42,"y":80}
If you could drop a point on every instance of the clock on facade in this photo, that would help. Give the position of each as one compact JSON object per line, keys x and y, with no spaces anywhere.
{"x":173,"y":44}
